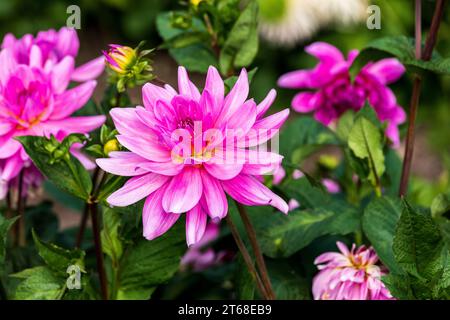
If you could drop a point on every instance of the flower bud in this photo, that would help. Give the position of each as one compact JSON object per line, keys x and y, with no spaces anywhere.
{"x":111,"y":145}
{"x":120,"y":58}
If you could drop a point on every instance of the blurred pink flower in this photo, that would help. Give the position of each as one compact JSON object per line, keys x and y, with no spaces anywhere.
{"x":278,"y":175}
{"x":293,"y":204}
{"x":36,"y":102}
{"x":198,"y":257}
{"x":335,"y":93}
{"x":182,"y":158}
{"x":349,"y":275}
{"x":331,"y":185}
{"x":53,"y":46}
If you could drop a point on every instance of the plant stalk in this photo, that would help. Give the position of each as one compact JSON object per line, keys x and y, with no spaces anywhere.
{"x":20,"y":225}
{"x":417,"y":85}
{"x":247,"y":259}
{"x":256,"y":250}
{"x":98,"y":250}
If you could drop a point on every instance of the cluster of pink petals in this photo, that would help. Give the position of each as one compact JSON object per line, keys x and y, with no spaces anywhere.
{"x":35,"y":100}
{"x":54,"y":46}
{"x":349,"y":275}
{"x":333,"y":92}
{"x":199,"y":257}
{"x":197,"y":185}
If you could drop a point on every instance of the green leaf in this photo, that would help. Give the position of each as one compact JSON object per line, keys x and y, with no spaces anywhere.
{"x":283,"y":235}
{"x":231,"y":81}
{"x":151,"y":263}
{"x":245,"y":283}
{"x":418,"y":244}
{"x":287,"y":283}
{"x":365,"y":141}
{"x":39,"y":284}
{"x":379,"y":222}
{"x":241,"y":46}
{"x":5,"y":225}
{"x":69,"y":176}
{"x":111,"y":242}
{"x":185,"y":39}
{"x":345,"y":125}
{"x":440,"y":205}
{"x":309,"y":195}
{"x":195,"y":57}
{"x":57,"y":258}
{"x":403,"y":48}
{"x":301,"y":137}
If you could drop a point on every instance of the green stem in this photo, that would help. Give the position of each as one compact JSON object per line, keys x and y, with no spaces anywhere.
{"x":256,"y":250}
{"x":247,"y":259}
{"x":20,"y":225}
{"x":415,"y":97}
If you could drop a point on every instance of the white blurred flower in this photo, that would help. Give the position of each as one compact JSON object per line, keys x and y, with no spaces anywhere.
{"x":288,"y":22}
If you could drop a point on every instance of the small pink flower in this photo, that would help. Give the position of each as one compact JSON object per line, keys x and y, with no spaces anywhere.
{"x":182,"y":158}
{"x":199,"y":258}
{"x":53,"y":47}
{"x":331,"y":185}
{"x":334,"y":92}
{"x":120,"y":58}
{"x":293,"y":204}
{"x":349,"y":275}
{"x":36,"y":102}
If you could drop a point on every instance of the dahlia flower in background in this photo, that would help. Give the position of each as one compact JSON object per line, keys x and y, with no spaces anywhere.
{"x":53,"y":46}
{"x":198,"y":257}
{"x":188,"y":149}
{"x":349,"y":275}
{"x":335,"y":93}
{"x":289,"y":22}
{"x":36,"y":101}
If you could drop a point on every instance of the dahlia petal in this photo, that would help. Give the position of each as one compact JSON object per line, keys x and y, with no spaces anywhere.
{"x":215,"y":198}
{"x":73,"y":125}
{"x":155,"y":220}
{"x":304,"y":102}
{"x":325,"y":52}
{"x":223,"y":171}
{"x":136,"y":189}
{"x":387,"y":70}
{"x":185,"y":86}
{"x":72,"y":100}
{"x":195,"y":225}
{"x":264,"y":129}
{"x":244,"y":119}
{"x":165,"y":168}
{"x":9,"y":148}
{"x":249,"y":191}
{"x":128,"y":123}
{"x":35,"y":57}
{"x":12,"y":167}
{"x":89,"y":71}
{"x":8,"y":63}
{"x":235,"y":98}
{"x":128,"y":165}
{"x":68,"y":43}
{"x":215,"y":86}
{"x":61,"y":73}
{"x":152,"y":93}
{"x":183,"y":192}
{"x":266,"y":103}
{"x":148,"y":149}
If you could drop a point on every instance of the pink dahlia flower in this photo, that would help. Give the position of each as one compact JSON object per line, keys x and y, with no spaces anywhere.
{"x":198,"y":257}
{"x":37,"y":102}
{"x":54,"y":46}
{"x":331,"y":185}
{"x":188,"y":149}
{"x":349,"y":275}
{"x":335,"y":93}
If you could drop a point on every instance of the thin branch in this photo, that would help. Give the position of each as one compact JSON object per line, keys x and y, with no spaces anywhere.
{"x":98,"y":250}
{"x":256,"y":250}
{"x":20,"y":225}
{"x":247,"y":258}
{"x":415,"y":97}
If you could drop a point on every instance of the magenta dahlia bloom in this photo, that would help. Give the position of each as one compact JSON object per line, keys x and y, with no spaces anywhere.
{"x":37,"y":102}
{"x":188,"y":149}
{"x":333,"y":92}
{"x":54,"y":46}
{"x":349,"y":275}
